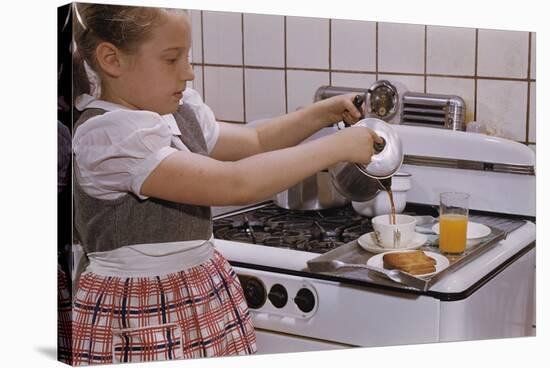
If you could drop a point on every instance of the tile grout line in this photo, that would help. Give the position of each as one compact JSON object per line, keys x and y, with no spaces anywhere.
{"x":243,"y":69}
{"x":475,"y":73}
{"x":202,"y":59}
{"x":376,"y":52}
{"x":350,"y":71}
{"x":508,"y":79}
{"x":232,"y":121}
{"x":528,"y":91}
{"x":330,"y":52}
{"x":260,"y":67}
{"x":425,"y":58}
{"x":285,"y":64}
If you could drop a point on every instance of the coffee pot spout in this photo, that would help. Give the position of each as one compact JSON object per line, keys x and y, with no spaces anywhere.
{"x":385,"y":184}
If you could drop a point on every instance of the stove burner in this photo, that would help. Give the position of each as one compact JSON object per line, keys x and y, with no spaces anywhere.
{"x":329,"y":229}
{"x":289,"y":221}
{"x":341,"y":215}
{"x":323,"y":246}
{"x":354,"y":232}
{"x":224,"y":222}
{"x":284,"y":242}
{"x":318,"y":227}
{"x":242,"y":235}
{"x":311,"y":231}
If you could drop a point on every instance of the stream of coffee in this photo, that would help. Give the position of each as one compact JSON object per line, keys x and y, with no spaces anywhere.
{"x":392,"y":218}
{"x":386,"y":184}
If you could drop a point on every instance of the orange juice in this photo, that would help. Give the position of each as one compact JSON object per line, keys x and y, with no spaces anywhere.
{"x":452,"y":233}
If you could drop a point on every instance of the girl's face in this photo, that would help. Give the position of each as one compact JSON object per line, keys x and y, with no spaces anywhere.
{"x":155,"y":77}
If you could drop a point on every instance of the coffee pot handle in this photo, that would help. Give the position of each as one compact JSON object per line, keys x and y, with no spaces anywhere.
{"x":358,"y":102}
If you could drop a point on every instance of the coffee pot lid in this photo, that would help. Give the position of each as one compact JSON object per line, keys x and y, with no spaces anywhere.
{"x":389,"y":159}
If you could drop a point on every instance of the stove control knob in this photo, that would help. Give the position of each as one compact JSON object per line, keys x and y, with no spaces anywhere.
{"x":305,"y":300}
{"x":254,"y":291}
{"x":278,"y":295}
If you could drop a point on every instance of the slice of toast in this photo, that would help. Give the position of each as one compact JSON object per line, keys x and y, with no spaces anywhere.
{"x":415,"y":262}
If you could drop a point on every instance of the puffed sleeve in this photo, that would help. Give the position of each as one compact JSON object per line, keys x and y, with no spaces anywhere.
{"x":205,"y":116}
{"x":116,"y":151}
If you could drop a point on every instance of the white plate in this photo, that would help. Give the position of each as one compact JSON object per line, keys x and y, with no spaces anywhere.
{"x":441,"y":262}
{"x":474,"y":233}
{"x":367,"y":242}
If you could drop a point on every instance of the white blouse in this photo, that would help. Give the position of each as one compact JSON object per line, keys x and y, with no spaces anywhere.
{"x":116,"y":151}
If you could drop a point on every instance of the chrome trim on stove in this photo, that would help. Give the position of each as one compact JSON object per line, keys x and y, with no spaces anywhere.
{"x":241,"y":210}
{"x":468,"y":165}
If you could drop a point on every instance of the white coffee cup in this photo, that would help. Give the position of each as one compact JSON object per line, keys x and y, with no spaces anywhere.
{"x":398,"y":235}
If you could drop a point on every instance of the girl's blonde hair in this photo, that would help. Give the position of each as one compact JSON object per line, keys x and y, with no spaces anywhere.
{"x":126,"y":27}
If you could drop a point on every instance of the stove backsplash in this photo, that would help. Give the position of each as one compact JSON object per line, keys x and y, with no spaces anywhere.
{"x":236,"y":55}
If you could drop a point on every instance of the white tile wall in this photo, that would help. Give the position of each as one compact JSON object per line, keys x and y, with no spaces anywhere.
{"x":197,"y":84}
{"x":416,"y":58}
{"x":265,"y":93}
{"x":264,"y":42}
{"x":354,"y":80}
{"x":353,"y":45}
{"x":222,"y":38}
{"x":224,"y":92}
{"x":462,"y":87}
{"x":533,"y":112}
{"x":451,"y":51}
{"x":400,"y":48}
{"x":196,"y":36}
{"x":405,"y":83}
{"x":503,"y":104}
{"x":533,"y":55}
{"x":502,"y":53}
{"x":301,"y":87}
{"x":307,"y":42}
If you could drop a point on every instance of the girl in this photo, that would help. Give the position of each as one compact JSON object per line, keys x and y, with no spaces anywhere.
{"x":150,"y":159}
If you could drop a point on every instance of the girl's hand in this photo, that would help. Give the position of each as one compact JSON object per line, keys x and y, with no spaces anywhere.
{"x":339,"y":108}
{"x":356,"y":144}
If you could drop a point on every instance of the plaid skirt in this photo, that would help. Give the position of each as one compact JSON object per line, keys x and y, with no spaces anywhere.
{"x":64,"y":323}
{"x":197,"y":312}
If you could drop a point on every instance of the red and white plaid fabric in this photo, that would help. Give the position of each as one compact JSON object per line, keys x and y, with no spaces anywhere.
{"x":64,"y":329}
{"x":199,"y":312}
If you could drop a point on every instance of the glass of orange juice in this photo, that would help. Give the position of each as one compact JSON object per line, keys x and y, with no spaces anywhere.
{"x":453,"y":222}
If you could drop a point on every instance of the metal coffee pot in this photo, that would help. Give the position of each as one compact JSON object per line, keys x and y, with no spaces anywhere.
{"x":360,"y":182}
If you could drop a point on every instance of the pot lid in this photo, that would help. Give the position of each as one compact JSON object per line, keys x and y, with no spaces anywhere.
{"x":389,"y":159}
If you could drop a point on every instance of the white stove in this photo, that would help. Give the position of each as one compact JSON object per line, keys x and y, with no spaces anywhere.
{"x":493,"y":296}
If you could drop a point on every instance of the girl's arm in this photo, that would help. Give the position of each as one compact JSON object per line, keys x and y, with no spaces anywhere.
{"x":237,"y":141}
{"x":190,"y":178}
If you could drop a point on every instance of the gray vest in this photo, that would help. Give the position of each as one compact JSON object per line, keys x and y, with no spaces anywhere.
{"x":103,"y":225}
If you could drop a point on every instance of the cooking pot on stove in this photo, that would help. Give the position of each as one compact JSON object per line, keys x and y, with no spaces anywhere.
{"x":313,"y":193}
{"x":360,"y":182}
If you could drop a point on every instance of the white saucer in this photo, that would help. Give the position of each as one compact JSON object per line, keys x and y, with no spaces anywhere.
{"x":441,"y":262}
{"x":367,"y":242}
{"x":475,"y":232}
